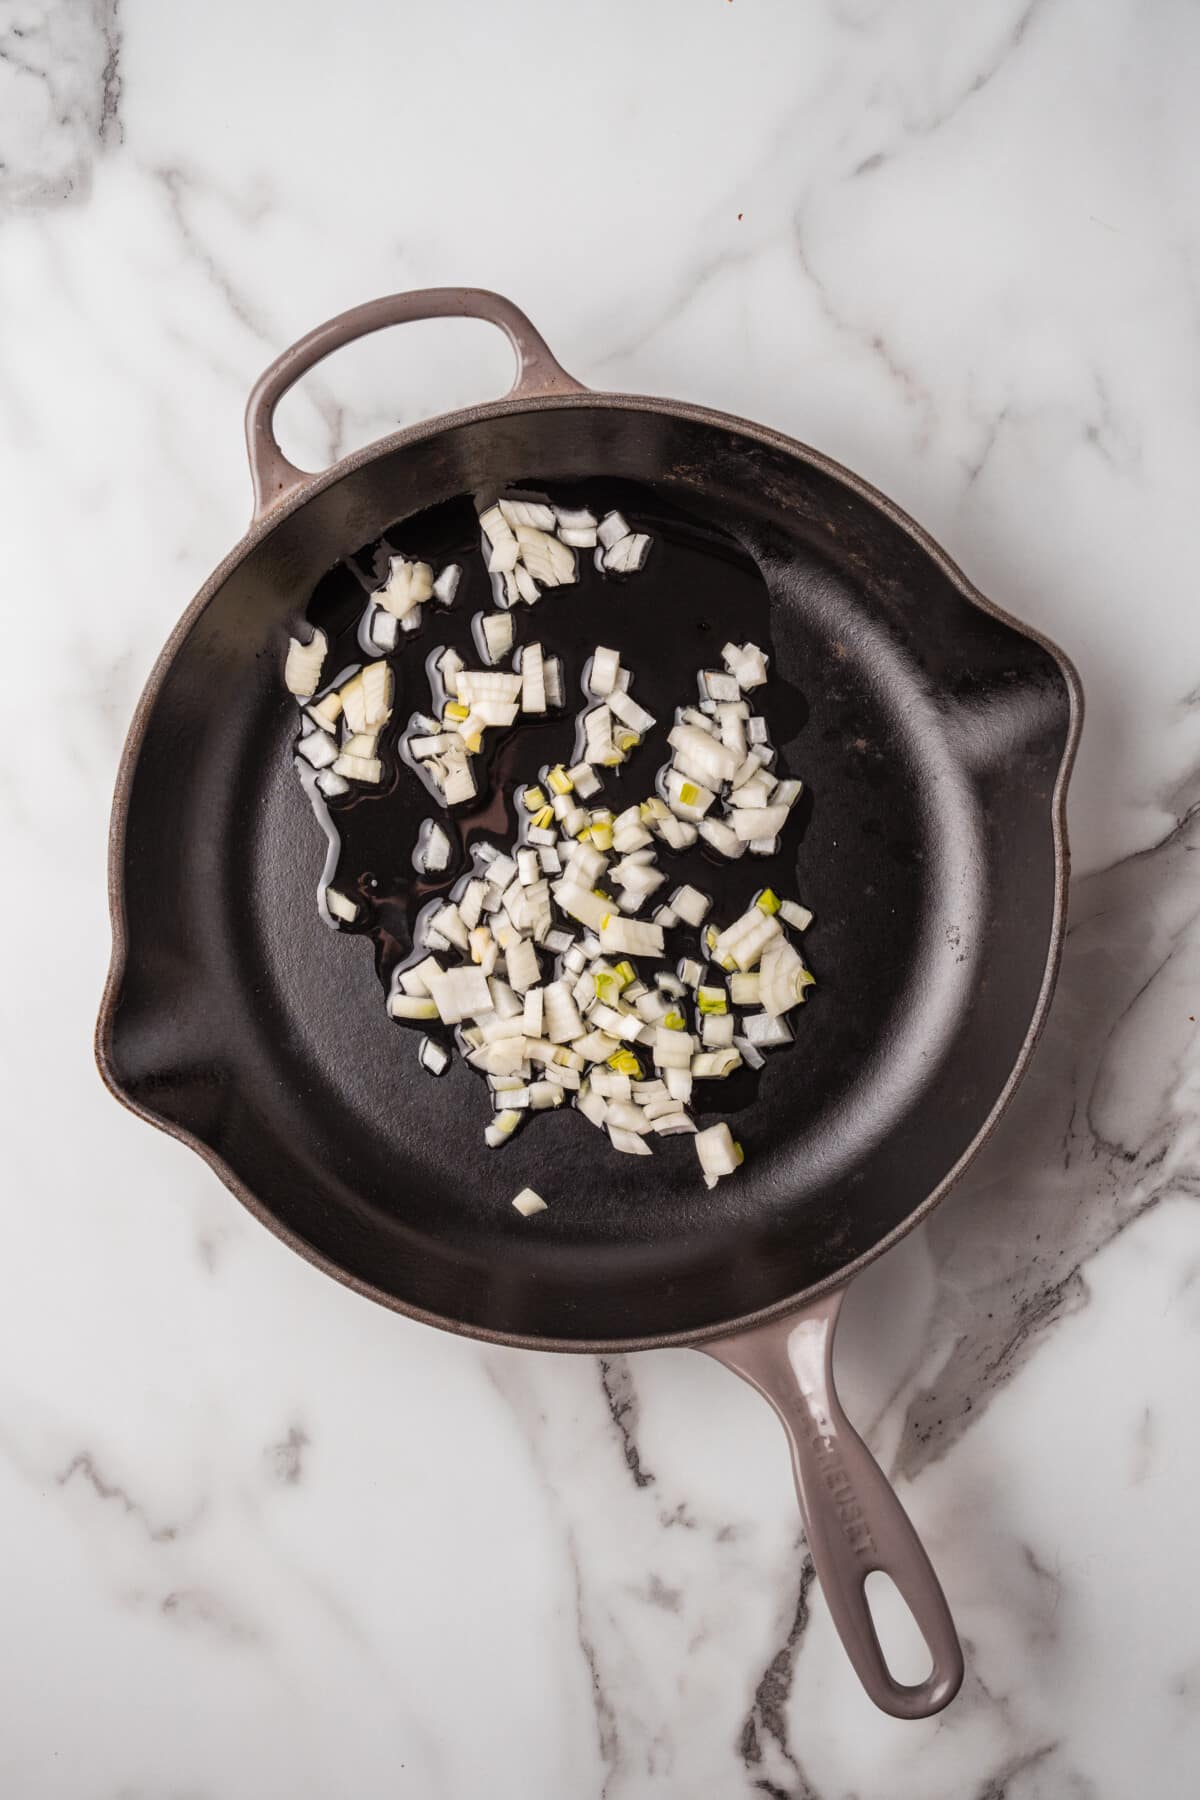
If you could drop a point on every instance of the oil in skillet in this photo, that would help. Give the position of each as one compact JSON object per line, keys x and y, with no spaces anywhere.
{"x":698,"y":590}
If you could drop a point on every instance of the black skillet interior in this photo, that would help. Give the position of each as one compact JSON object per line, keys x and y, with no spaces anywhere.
{"x":930,"y":735}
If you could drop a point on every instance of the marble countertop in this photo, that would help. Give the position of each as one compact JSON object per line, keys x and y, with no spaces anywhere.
{"x":263,"y":1539}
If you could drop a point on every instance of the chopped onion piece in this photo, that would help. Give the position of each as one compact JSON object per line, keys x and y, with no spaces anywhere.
{"x":612,"y":529}
{"x":327,"y":711}
{"x":688,"y":798}
{"x":764,"y":1031}
{"x":582,"y":904}
{"x":533,"y":686}
{"x":798,"y":917}
{"x":497,"y":630}
{"x":627,"y":1117}
{"x":331,"y":784}
{"x":671,"y":1124}
{"x":592,"y":1105}
{"x":302,"y":670}
{"x":446,"y":585}
{"x":679,"y":1084}
{"x":690,"y":904}
{"x":460,"y":994}
{"x":573,"y":518}
{"x":363,"y":743}
{"x":743,"y":989}
{"x":703,"y":752}
{"x":459,"y":784}
{"x":433,"y":1056}
{"x":629,"y":712}
{"x":340,"y":906}
{"x":528,"y":512}
{"x":412,"y":1006}
{"x":407,"y":585}
{"x":473,"y":686}
{"x":413,"y":980}
{"x":584,"y":780}
{"x":718,"y":1153}
{"x":741,"y":944}
{"x":631,"y":937}
{"x":673,"y":1049}
{"x":502,"y":1128}
{"x":562,"y":1020}
{"x":527,"y":587}
{"x":627,"y":1141}
{"x":603,"y":673}
{"x":723,"y":838}
{"x":784,"y":978}
{"x":432,"y":852}
{"x":627,"y":555}
{"x":318,"y":748}
{"x":359,"y":768}
{"x":746,"y":663}
{"x":758,"y":821}
{"x":546,"y":558}
{"x":720,"y":687}
{"x":505,"y":551}
{"x":528,"y":1202}
{"x":383,"y":627}
{"x":531,"y":1018}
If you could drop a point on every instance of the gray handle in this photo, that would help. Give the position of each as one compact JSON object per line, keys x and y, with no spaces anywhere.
{"x":852,"y":1519}
{"x":538,"y":372}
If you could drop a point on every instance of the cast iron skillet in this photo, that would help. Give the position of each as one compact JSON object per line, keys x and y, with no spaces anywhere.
{"x":937,"y":747}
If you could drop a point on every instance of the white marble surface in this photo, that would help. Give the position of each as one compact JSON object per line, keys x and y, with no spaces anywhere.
{"x":262,"y":1539}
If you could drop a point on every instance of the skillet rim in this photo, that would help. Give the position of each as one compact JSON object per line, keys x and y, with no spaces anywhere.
{"x":409,"y":437}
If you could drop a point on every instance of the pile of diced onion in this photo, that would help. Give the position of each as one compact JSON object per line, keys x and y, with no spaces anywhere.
{"x":557,"y":989}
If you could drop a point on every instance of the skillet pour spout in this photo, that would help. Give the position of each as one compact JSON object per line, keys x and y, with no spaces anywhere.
{"x":936,"y":737}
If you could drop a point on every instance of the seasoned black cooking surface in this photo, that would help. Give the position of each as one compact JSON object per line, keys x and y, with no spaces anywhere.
{"x":929,"y":735}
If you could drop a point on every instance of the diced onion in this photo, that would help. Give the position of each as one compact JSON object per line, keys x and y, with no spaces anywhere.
{"x":602,"y":677}
{"x":625,"y":1042}
{"x":718,"y":1153}
{"x":690,"y":904}
{"x":318,"y":748}
{"x":746,"y":663}
{"x":627,"y":555}
{"x":408,"y":585}
{"x":798,"y":917}
{"x":497,"y":630}
{"x":546,"y":558}
{"x":359,"y":768}
{"x":628,"y":1142}
{"x":446,"y":585}
{"x":412,"y":1006}
{"x":764,"y":1031}
{"x":612,"y":529}
{"x":528,"y":512}
{"x":533,"y":686}
{"x":341,"y":907}
{"x":460,"y":994}
{"x":302,"y":670}
{"x":528,"y":1202}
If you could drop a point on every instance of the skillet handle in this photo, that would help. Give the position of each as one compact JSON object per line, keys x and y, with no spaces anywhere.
{"x":852,"y":1519}
{"x":538,"y":373}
